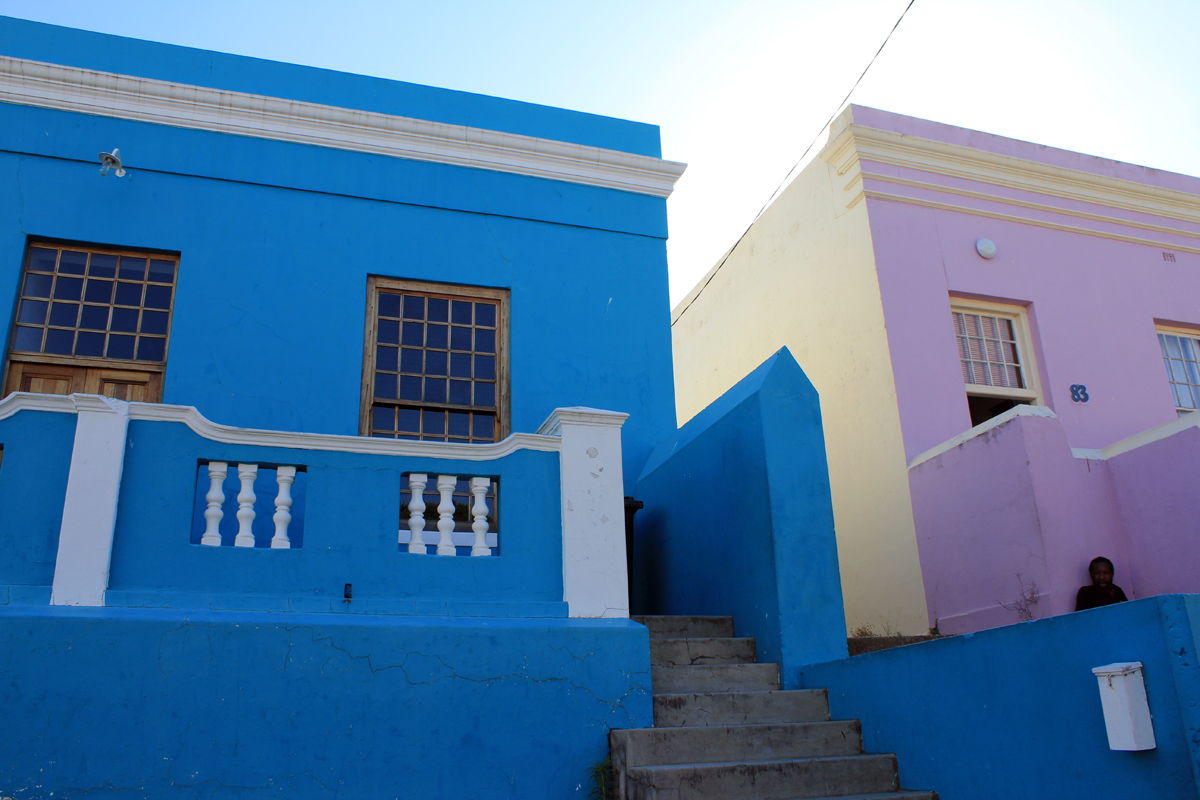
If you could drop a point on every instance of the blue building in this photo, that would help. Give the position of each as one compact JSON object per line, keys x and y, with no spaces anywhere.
{"x":321,"y":397}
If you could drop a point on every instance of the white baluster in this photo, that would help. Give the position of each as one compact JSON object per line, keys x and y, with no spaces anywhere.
{"x":416,"y":513}
{"x":217,"y":470}
{"x":446,"y":484}
{"x":246,"y":473}
{"x":285,"y":477}
{"x":479,"y":487}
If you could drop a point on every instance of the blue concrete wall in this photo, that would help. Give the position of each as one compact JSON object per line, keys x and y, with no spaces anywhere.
{"x":36,"y":461}
{"x":103,"y":703}
{"x":277,"y":241}
{"x":352,"y":519}
{"x":1015,"y":711}
{"x":738,"y":520}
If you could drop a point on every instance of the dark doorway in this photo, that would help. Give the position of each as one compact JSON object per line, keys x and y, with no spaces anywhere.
{"x":984,"y":408}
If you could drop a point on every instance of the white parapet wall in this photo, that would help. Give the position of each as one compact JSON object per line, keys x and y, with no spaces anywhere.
{"x":595,"y":581}
{"x":90,"y":509}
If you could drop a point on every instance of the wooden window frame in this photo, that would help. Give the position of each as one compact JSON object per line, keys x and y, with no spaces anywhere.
{"x":115,"y":366}
{"x":439,"y":290}
{"x":1032,"y":393}
{"x":1187,"y":333}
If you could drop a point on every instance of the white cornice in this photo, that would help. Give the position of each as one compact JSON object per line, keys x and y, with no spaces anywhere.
{"x":226,"y":434}
{"x":106,"y":94}
{"x":857,"y":144}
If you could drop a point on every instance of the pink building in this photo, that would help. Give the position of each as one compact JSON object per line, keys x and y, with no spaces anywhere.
{"x":929,"y":279}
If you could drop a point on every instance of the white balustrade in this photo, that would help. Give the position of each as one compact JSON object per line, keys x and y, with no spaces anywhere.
{"x":479,"y":487}
{"x":416,"y":514}
{"x":285,"y":476}
{"x":217,"y":470}
{"x":245,"y":515}
{"x":445,"y":485}
{"x":481,"y":540}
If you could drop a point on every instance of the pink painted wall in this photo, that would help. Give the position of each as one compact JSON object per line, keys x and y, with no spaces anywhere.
{"x":1158,"y":496}
{"x":1012,"y":500}
{"x":1092,"y":301}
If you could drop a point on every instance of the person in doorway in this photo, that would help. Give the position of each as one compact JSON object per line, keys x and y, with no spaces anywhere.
{"x":1102,"y":592}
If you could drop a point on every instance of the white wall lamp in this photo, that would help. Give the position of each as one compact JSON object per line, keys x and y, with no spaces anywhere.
{"x":986,"y":248}
{"x":111,"y":162}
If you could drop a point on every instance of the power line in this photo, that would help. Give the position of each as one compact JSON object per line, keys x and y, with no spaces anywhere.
{"x":799,"y":161}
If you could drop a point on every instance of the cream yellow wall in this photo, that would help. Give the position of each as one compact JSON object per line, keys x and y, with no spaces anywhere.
{"x":805,"y":278}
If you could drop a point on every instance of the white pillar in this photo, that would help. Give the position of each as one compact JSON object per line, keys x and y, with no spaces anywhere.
{"x":245,"y":514}
{"x":416,"y":513}
{"x":479,"y":487}
{"x":446,"y":484}
{"x":217,"y":470}
{"x":90,"y":507}
{"x":595,"y":583}
{"x":285,"y":477}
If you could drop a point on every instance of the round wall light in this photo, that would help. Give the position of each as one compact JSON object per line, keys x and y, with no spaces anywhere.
{"x":986,"y":248}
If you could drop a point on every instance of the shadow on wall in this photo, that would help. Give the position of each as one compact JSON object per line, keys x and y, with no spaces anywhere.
{"x":738,"y":520}
{"x":1008,"y":517}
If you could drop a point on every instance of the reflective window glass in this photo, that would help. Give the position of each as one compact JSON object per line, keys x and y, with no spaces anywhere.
{"x":58,"y":274}
{"x":440,"y":339}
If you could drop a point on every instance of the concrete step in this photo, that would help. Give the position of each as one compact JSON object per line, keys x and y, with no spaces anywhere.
{"x":644,"y":747}
{"x":740,"y":708}
{"x":715,"y":678}
{"x":673,"y":627}
{"x":764,"y":780}
{"x":690,"y":652}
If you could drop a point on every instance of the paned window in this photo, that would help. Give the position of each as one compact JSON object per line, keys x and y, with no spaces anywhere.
{"x":994,"y":354}
{"x":1181,"y":354}
{"x":987,"y":348}
{"x":84,"y":312}
{"x":435,"y":367}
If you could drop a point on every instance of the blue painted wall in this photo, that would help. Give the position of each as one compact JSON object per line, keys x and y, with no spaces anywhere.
{"x":1015,"y":712}
{"x":277,"y":241}
{"x":738,"y":520}
{"x":352,"y":518}
{"x":36,"y":460}
{"x":103,"y":703}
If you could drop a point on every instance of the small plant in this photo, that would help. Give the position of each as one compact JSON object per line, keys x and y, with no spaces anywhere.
{"x":867,"y":629}
{"x":601,"y":777}
{"x":1026,"y":600}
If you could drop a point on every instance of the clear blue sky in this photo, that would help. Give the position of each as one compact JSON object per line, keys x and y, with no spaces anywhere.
{"x":741,"y":88}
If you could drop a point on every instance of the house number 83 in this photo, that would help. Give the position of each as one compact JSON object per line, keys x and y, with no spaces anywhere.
{"x":1079,"y":393}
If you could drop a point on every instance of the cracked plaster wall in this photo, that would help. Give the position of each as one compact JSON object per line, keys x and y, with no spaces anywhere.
{"x":106,"y":703}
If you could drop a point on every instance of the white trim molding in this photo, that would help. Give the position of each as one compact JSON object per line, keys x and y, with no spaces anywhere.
{"x":227,"y":434}
{"x":29,"y":401}
{"x":868,"y":161}
{"x":106,"y":94}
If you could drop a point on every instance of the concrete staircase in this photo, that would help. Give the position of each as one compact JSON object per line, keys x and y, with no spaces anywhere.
{"x":724,"y":730}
